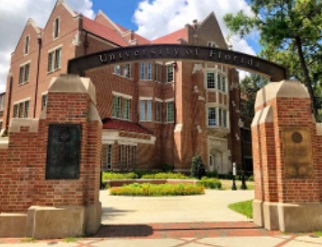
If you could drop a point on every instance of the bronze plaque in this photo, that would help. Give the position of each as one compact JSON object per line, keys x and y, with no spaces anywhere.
{"x":298,"y":153}
{"x":63,"y":151}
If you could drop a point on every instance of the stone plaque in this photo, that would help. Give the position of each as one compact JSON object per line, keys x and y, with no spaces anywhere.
{"x":298,"y":153}
{"x":63,"y":151}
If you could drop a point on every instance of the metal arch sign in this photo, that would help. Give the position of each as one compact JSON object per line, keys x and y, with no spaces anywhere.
{"x":177,"y":52}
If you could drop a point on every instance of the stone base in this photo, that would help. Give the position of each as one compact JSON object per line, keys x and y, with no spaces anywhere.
{"x":13,"y":225}
{"x":52,"y":222}
{"x":288,"y":217}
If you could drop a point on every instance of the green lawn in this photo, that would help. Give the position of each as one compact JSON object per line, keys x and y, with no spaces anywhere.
{"x":245,"y":208}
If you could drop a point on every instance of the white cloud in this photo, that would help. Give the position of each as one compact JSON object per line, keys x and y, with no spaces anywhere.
{"x":13,"y":18}
{"x":159,"y":17}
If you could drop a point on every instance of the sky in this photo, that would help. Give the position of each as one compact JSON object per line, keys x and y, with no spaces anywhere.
{"x":149,"y":18}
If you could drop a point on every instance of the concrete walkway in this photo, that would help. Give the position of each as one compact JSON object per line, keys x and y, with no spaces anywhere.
{"x":191,"y":221}
{"x":199,"y":208}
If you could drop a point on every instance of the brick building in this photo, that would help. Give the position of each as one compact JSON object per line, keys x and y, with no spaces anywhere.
{"x":153,"y":112}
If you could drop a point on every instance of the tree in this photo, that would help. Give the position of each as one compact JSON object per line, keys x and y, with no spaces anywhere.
{"x":291,"y":34}
{"x":198,"y":169}
{"x":248,"y":88}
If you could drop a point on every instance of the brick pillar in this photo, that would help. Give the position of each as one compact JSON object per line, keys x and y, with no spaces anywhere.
{"x":286,"y":166}
{"x":53,"y":207}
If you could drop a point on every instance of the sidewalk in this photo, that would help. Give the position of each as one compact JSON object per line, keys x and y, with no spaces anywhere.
{"x":146,"y":222}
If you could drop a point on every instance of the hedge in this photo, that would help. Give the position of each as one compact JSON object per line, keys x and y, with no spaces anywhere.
{"x":210,"y":183}
{"x":118,"y":176}
{"x":164,"y":175}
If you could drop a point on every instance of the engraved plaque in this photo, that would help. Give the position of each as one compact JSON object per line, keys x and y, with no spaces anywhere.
{"x":63,"y":151}
{"x":298,"y":153}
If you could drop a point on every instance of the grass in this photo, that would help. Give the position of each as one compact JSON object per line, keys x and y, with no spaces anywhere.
{"x":244,"y":207}
{"x":70,"y":240}
{"x":27,"y":240}
{"x":157,"y":190}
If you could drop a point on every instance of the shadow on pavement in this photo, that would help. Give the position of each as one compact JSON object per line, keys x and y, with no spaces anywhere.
{"x":114,"y":231}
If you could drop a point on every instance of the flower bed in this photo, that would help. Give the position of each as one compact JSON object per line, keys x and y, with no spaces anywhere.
{"x":148,"y":189}
{"x":121,"y":182}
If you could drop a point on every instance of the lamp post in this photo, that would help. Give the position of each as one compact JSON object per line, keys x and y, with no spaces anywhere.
{"x":233,"y":187}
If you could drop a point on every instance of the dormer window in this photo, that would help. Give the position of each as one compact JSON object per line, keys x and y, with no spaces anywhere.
{"x":26,"y":50}
{"x":56,"y":28}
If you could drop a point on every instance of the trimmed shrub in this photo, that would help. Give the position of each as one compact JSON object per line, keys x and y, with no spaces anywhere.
{"x":118,"y":176}
{"x":198,"y":169}
{"x":163,"y":175}
{"x":157,"y":190}
{"x":251,"y":178}
{"x":210,"y":183}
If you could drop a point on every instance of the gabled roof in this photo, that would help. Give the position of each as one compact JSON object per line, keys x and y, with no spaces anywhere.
{"x":103,"y":32}
{"x":116,"y":124}
{"x":141,"y":40}
{"x":172,"y":38}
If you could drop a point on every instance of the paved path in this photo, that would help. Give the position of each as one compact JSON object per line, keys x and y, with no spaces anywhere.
{"x":176,"y":222}
{"x":200,"y":208}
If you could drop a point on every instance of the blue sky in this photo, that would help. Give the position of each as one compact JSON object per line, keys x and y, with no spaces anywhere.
{"x":149,"y":18}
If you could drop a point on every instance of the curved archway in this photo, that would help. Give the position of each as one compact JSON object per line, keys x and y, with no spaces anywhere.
{"x":177,"y":52}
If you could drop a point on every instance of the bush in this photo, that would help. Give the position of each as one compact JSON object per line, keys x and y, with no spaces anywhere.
{"x":251,"y":178}
{"x":118,"y":176}
{"x":213,"y":174}
{"x":210,"y":183}
{"x":198,"y":169}
{"x":157,"y":190}
{"x":165,"y":167}
{"x":162,"y":175}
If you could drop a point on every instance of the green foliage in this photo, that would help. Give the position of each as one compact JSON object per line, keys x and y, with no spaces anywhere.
{"x":157,"y":190}
{"x":162,"y":175}
{"x":198,"y":169}
{"x":210,"y":183}
{"x":213,"y":174}
{"x":165,"y":167}
{"x":245,"y":208}
{"x":118,"y":176}
{"x":290,"y":34}
{"x":251,"y":178}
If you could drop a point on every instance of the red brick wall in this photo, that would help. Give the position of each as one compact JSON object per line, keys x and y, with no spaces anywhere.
{"x":23,"y":164}
{"x":271,"y":185}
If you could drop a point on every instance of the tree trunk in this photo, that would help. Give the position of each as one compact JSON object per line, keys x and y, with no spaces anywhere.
{"x":307,"y":79}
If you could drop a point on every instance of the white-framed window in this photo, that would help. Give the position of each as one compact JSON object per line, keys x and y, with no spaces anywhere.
{"x":146,"y":71}
{"x":170,"y":111}
{"x":212,"y":120}
{"x":116,"y":106}
{"x":225,"y":119}
{"x":106,"y":163}
{"x":123,"y":70}
{"x":44,"y":100}
{"x":149,"y":71}
{"x":217,"y":117}
{"x":142,"y":71}
{"x":170,"y":73}
{"x":146,"y":110}
{"x":126,"y":109}
{"x":21,"y":109}
{"x":56,"y":27}
{"x":219,"y":81}
{"x":120,"y":156}
{"x":54,"y":59}
{"x":211,"y":83}
{"x":117,"y":69}
{"x":2,"y":101}
{"x":158,"y":111}
{"x":127,"y":70}
{"x":223,"y":81}
{"x":121,"y":106}
{"x":26,"y":47}
{"x":24,"y":72}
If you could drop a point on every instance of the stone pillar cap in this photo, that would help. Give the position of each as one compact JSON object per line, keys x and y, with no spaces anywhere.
{"x":282,"y":89}
{"x":73,"y":84}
